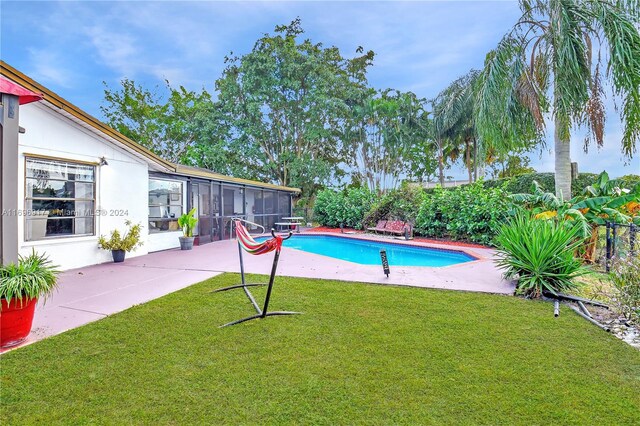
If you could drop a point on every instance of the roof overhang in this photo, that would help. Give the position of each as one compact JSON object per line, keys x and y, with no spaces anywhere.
{"x":25,"y":96}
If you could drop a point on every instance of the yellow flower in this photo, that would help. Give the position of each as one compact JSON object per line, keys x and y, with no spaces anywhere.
{"x":546,"y":215}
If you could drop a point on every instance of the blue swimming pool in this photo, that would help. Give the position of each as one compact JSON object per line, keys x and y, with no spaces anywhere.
{"x":367,"y":252}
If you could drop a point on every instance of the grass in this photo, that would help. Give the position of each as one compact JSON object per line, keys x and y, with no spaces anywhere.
{"x":360,"y":354}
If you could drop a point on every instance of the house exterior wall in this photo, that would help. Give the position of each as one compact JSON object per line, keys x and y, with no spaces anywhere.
{"x":121,"y":186}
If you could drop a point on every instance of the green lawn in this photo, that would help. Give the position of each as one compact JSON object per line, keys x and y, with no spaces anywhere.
{"x":361,"y":354}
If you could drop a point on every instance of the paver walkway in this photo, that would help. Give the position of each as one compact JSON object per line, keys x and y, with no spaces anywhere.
{"x":91,"y":293}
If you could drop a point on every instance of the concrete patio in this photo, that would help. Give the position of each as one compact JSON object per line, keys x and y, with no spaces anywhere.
{"x":91,"y":293}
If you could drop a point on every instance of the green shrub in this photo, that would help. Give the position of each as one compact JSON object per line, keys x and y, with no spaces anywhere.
{"x":467,"y":213}
{"x":398,"y":204}
{"x":348,"y":207}
{"x":128,"y":242}
{"x":539,"y":254}
{"x":522,"y":184}
{"x":626,"y":280}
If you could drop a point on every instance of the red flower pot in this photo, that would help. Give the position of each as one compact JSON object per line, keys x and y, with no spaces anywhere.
{"x":15,"y":320}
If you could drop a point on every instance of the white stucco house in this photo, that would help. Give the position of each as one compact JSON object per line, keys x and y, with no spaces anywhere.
{"x":68,"y":178}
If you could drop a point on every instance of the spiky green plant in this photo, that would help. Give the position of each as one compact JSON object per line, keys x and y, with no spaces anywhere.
{"x":554,"y":61}
{"x":33,"y":276}
{"x":539,"y":254}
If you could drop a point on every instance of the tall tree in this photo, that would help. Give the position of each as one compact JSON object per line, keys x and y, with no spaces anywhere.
{"x":287,"y":102}
{"x":553,"y":61}
{"x":384,"y":129}
{"x":168,"y":124}
{"x":454,"y":122}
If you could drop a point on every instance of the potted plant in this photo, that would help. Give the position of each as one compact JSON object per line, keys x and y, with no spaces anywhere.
{"x":120,"y":244}
{"x":21,"y":285}
{"x":187,"y":222}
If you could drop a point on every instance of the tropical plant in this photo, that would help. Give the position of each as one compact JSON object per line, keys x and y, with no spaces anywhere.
{"x":454,"y":124}
{"x":625,"y":277}
{"x":553,"y":60}
{"x":32,"y":277}
{"x":128,"y":242}
{"x":188,"y":222}
{"x":539,"y":254}
{"x":603,"y":201}
{"x":383,"y":129}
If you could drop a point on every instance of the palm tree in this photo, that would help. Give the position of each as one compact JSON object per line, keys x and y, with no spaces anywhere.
{"x":553,"y":61}
{"x":454,"y":124}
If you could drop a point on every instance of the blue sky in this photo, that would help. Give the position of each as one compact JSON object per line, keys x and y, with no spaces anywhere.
{"x":72,"y":47}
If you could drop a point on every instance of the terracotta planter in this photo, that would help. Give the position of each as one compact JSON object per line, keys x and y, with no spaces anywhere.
{"x":15,"y":321}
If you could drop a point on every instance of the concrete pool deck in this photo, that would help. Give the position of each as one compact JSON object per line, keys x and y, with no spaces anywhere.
{"x":94,"y":292}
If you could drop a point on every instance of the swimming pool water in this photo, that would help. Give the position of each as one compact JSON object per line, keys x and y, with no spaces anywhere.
{"x":368,"y":252}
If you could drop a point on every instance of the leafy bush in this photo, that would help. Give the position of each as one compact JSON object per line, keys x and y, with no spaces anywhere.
{"x":539,"y":254}
{"x":468,"y":213}
{"x":626,"y":280}
{"x":347,"y":207}
{"x":399,"y":204}
{"x":33,"y":276}
{"x":522,"y":184}
{"x":127,"y":243}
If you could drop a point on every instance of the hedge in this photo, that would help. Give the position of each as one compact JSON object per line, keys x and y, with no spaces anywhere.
{"x":349,"y":207}
{"x":468,"y":213}
{"x":522,"y":184}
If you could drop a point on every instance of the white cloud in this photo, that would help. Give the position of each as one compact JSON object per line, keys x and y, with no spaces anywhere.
{"x":116,"y":50}
{"x":48,"y":68}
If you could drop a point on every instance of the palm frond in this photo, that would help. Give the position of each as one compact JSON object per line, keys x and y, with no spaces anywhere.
{"x":497,"y":96}
{"x":618,"y":22}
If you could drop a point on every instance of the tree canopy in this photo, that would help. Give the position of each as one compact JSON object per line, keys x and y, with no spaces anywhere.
{"x":553,"y":61}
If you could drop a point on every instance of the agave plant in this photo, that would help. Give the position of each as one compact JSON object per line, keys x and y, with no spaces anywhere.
{"x":539,"y":254}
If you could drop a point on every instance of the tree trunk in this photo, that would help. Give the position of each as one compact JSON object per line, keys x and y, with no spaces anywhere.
{"x":468,"y":160}
{"x":562,"y":165}
{"x":475,"y":159}
{"x":441,"y":163}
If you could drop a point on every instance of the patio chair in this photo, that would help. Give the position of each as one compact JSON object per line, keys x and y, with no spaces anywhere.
{"x":379,"y":226}
{"x":251,"y":246}
{"x":395,"y":227}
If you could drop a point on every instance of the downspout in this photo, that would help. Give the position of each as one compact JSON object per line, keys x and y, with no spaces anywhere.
{"x":9,"y":179}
